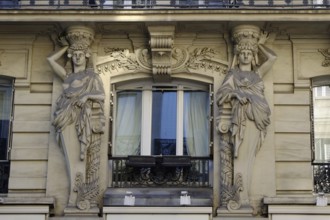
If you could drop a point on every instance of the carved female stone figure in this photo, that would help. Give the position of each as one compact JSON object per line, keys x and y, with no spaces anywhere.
{"x":79,"y":117}
{"x":243,"y":88}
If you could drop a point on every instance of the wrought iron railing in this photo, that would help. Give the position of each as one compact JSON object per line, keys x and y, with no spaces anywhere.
{"x":162,"y":4}
{"x":160,"y":171}
{"x":321,"y":177}
{"x":4,"y":176}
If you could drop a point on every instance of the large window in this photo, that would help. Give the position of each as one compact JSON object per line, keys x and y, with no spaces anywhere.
{"x":156,"y":119}
{"x":6,"y":102}
{"x":321,"y":120}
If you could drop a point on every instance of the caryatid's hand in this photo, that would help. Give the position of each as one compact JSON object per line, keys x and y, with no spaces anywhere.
{"x":264,"y":35}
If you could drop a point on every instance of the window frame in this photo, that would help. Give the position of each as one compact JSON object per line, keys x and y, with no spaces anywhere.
{"x":147,"y":87}
{"x":8,"y":82}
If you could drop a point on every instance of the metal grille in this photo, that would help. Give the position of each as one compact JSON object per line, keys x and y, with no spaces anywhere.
{"x":4,"y":176}
{"x":150,"y":171}
{"x":321,"y":178}
{"x":162,"y":4}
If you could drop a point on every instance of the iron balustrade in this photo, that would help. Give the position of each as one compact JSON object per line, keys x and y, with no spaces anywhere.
{"x":160,"y":171}
{"x":4,"y":176}
{"x":162,"y":4}
{"x":321,"y":177}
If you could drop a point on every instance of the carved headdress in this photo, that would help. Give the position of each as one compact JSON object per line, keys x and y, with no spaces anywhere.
{"x":79,"y":38}
{"x":245,"y":37}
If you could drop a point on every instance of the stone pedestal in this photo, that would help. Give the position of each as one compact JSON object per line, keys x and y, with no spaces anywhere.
{"x":75,"y":213}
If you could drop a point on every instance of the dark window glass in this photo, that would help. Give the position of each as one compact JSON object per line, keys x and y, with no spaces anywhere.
{"x":6,"y":103}
{"x":164,"y":121}
{"x":6,"y":97}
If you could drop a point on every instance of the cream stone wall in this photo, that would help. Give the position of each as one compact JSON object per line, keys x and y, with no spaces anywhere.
{"x":283,"y":166}
{"x":31,"y":123}
{"x":298,"y":61}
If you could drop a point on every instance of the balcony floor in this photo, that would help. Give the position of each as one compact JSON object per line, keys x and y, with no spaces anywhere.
{"x":160,"y":197}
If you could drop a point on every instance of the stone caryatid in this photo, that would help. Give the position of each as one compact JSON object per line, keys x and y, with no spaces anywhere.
{"x":79,"y":117}
{"x":244,"y":113}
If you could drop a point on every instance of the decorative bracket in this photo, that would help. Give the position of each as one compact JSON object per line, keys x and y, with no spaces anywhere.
{"x":161,"y":42}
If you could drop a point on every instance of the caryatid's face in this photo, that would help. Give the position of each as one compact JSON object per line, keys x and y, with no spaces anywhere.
{"x":79,"y":58}
{"x":245,"y":56}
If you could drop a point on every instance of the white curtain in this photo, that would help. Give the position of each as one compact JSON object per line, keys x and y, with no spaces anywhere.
{"x":128,"y":123}
{"x":321,"y":105}
{"x":196,"y":127}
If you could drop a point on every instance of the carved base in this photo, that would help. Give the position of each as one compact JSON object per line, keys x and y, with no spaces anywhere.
{"x":74,"y":211}
{"x":244,"y":211}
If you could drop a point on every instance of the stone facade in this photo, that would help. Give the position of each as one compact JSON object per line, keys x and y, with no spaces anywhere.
{"x":191,"y":45}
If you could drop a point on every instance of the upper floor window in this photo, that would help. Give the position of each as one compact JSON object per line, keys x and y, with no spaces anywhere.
{"x":321,"y":120}
{"x":6,"y":103}
{"x":161,"y":119}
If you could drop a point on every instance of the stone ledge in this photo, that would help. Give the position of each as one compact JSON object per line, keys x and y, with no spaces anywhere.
{"x":24,"y":209}
{"x":239,"y":218}
{"x":294,"y":200}
{"x":75,"y":218}
{"x":157,"y":210}
{"x":11,"y":200}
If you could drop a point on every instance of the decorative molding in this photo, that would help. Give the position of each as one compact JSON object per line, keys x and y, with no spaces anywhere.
{"x":205,"y":60}
{"x":179,"y":58}
{"x":80,"y":35}
{"x":15,"y":61}
{"x":117,"y":61}
{"x":307,"y":56}
{"x":326,"y":54}
{"x":144,"y":58}
{"x":161,"y":43}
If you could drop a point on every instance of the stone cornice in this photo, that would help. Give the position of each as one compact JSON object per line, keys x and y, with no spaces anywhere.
{"x":160,"y":15}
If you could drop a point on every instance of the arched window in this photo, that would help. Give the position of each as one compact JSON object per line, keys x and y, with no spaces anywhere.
{"x":161,"y":119}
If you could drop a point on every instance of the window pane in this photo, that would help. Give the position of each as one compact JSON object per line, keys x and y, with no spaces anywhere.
{"x":321,"y":111}
{"x":196,"y":126}
{"x":128,"y":123}
{"x":164,"y":107}
{"x":5,"y":115}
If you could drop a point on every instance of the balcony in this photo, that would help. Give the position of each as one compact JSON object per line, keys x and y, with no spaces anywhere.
{"x":160,"y":180}
{"x":162,"y":4}
{"x":160,"y":171}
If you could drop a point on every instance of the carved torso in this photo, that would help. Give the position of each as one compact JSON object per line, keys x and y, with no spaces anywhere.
{"x":75,"y":87}
{"x":246,"y":84}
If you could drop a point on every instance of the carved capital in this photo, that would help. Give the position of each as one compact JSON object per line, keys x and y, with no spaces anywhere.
{"x":79,"y":37}
{"x":245,"y":32}
{"x":161,"y":43}
{"x":246,"y":37}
